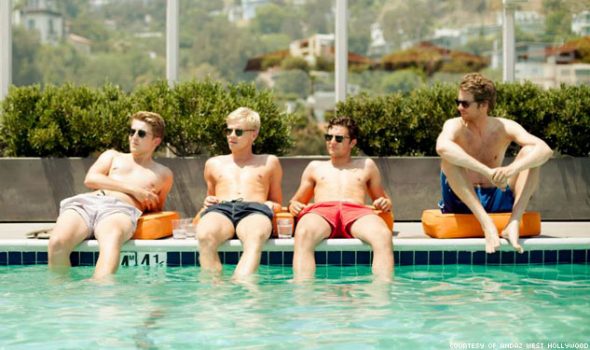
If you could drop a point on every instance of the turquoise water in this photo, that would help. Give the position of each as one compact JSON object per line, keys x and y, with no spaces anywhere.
{"x":438,"y":307}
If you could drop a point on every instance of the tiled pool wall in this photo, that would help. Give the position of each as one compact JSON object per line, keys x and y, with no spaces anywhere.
{"x":338,"y":258}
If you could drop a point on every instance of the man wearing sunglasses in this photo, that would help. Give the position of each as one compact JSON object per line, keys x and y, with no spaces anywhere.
{"x":126,"y":185}
{"x":243,"y":192}
{"x":339,"y":187}
{"x":472,"y":148}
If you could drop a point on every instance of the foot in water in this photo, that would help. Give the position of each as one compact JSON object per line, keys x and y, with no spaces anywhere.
{"x":511,"y":234}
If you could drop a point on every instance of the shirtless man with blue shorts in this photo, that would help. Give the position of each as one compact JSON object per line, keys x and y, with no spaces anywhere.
{"x":472,"y":148}
{"x":126,"y":185}
{"x":243,"y":192}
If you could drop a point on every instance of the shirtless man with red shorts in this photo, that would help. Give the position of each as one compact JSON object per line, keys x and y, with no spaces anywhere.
{"x":339,"y":187}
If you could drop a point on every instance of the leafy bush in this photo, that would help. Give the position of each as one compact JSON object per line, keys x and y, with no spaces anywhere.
{"x":64,"y":121}
{"x":408,"y":124}
{"x":70,"y":121}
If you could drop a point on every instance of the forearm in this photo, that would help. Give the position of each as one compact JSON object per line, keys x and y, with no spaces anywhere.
{"x":454,"y":154}
{"x":99,"y":181}
{"x":537,"y":156}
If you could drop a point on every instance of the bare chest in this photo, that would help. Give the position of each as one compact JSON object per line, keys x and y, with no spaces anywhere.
{"x":137,"y":174}
{"x":488,"y":148}
{"x":233,"y":174}
{"x":330,"y":177}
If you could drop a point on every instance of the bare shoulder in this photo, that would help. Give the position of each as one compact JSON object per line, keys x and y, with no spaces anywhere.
{"x":511,"y":127}
{"x":314,"y":166}
{"x":163,"y":170}
{"x":368,"y":162}
{"x":453,"y":123}
{"x":507,"y":123}
{"x":317,"y":164}
{"x":215,"y":161}
{"x":269,"y":159}
{"x":369,"y":165}
{"x":111,"y":153}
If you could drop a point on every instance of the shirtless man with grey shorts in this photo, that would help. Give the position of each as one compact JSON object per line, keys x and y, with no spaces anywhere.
{"x":126,"y":185}
{"x":243,"y":192}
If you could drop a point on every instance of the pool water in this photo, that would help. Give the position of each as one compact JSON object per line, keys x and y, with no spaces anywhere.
{"x":438,"y":307}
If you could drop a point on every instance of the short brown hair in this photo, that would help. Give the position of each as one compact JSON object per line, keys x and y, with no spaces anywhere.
{"x":348,"y":122}
{"x":152,"y":119}
{"x":482,"y":89}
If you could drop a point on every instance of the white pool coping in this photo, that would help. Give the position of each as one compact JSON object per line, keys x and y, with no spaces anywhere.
{"x":286,"y":245}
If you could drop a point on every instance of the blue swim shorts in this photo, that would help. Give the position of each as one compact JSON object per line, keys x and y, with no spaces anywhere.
{"x":493,"y":199}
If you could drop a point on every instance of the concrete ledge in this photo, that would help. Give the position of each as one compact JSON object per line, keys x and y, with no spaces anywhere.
{"x":31,"y":188}
{"x":286,"y":245}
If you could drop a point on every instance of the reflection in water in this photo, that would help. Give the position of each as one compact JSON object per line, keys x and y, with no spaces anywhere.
{"x":186,"y":308}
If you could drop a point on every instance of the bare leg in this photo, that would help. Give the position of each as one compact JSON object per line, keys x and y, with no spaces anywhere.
{"x":310,"y":231}
{"x":372,"y":230}
{"x":111,"y":233}
{"x":69,"y":231}
{"x":523,"y":185}
{"x":464,"y":190}
{"x":213,"y":229}
{"x":253,"y":231}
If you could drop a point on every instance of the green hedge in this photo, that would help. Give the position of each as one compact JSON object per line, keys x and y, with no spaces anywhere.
{"x":408,"y":124}
{"x":70,"y":121}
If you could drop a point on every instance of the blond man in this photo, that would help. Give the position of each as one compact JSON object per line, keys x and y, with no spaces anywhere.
{"x":243,"y":192}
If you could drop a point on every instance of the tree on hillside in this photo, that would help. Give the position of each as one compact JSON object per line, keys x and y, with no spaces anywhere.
{"x":25,"y":57}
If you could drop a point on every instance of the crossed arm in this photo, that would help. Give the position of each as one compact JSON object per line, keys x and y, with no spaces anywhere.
{"x":449,"y":150}
{"x":98,"y":178}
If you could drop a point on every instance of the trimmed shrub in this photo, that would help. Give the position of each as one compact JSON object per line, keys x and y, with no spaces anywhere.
{"x":65,"y":121}
{"x":70,"y":121}
{"x":408,"y":124}
{"x":195,"y":113}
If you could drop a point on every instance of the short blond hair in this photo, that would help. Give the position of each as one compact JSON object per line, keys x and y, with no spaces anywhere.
{"x":152,"y":119}
{"x":251,"y":117}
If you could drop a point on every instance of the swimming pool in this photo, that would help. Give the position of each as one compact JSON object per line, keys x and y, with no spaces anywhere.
{"x":438,"y":307}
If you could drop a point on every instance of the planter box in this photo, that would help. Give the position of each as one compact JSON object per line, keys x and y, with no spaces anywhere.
{"x":31,"y":188}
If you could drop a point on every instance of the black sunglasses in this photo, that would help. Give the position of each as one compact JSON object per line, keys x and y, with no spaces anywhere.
{"x":339,"y":138}
{"x":463,"y":103}
{"x":140,"y":133}
{"x":239,"y":132}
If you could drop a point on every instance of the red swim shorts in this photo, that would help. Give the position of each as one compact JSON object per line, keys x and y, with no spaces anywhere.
{"x":340,"y":215}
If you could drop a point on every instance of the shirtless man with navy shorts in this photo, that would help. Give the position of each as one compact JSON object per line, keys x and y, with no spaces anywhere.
{"x":243,"y":192}
{"x":126,"y":185}
{"x":472,"y":148}
{"x":339,"y":187}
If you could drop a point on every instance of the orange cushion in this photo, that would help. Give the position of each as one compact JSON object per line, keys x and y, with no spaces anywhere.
{"x":155,"y":225}
{"x":387,"y":216}
{"x":439,"y":225}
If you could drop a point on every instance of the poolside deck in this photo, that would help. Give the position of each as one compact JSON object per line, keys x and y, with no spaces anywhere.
{"x":560,"y":242}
